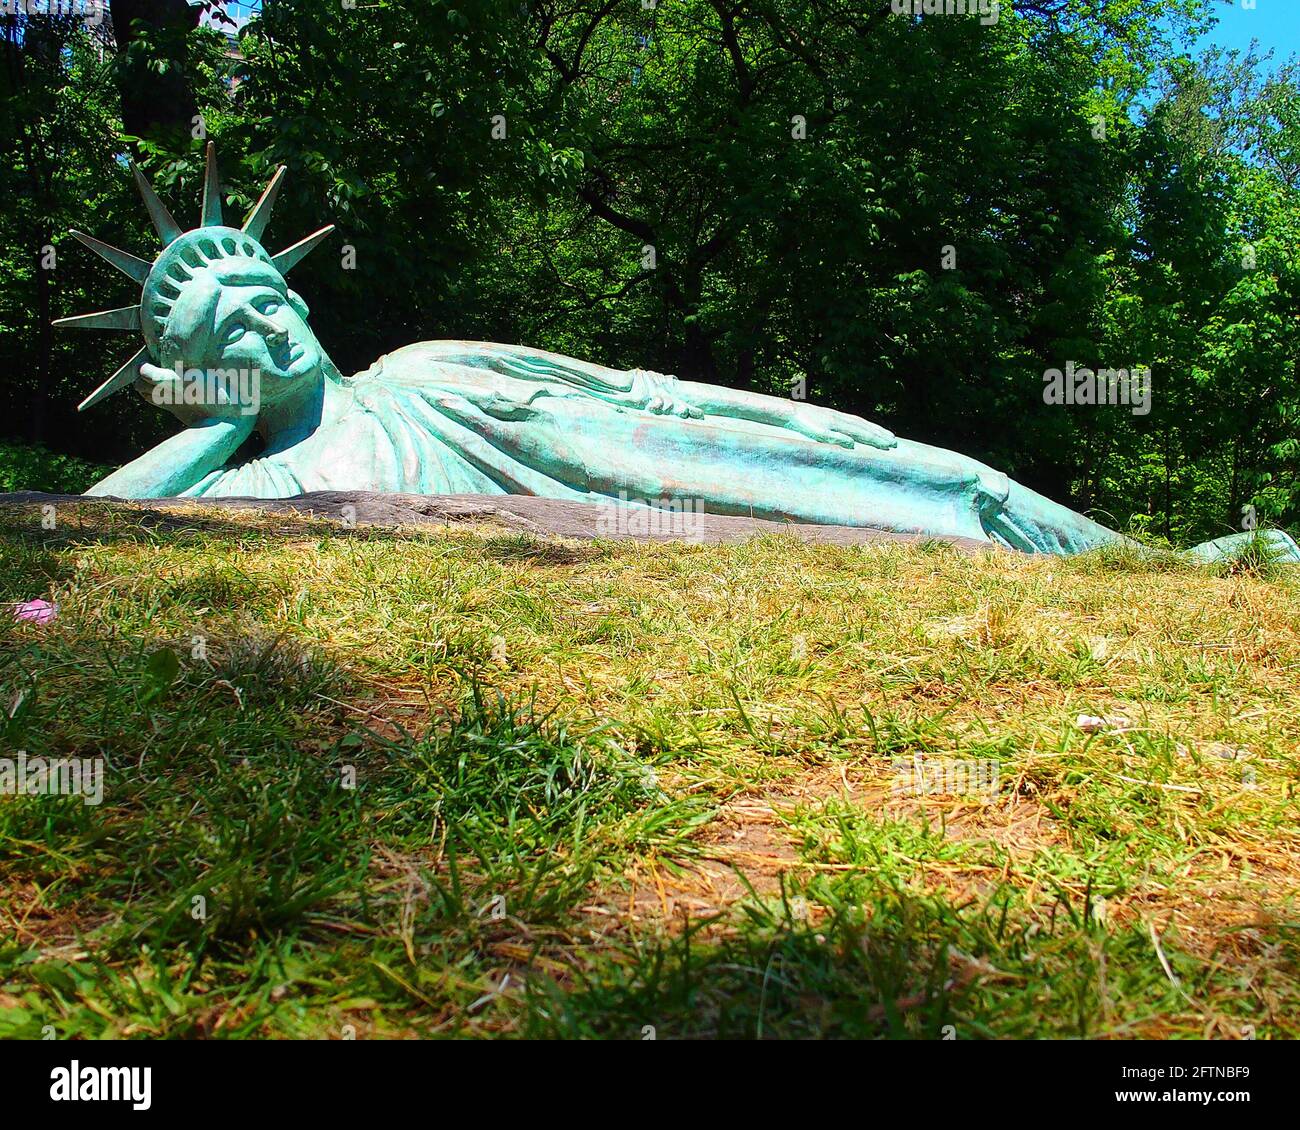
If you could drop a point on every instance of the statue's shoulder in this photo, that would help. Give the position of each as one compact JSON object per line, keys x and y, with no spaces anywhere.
{"x":441,"y":365}
{"x":389,"y":372}
{"x":423,"y":355}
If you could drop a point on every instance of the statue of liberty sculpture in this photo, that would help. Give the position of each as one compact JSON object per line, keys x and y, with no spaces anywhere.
{"x":454,"y":417}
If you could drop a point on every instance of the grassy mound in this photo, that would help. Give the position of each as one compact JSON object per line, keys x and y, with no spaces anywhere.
{"x":382,"y":783}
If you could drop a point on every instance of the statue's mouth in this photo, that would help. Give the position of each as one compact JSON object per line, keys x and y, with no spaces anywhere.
{"x":288,"y":356}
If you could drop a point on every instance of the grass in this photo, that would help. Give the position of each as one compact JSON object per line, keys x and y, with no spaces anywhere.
{"x":407,"y":784}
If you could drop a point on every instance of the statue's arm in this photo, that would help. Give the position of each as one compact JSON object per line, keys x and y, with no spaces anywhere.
{"x":810,"y":420}
{"x":661,"y":393}
{"x":541,"y":367}
{"x":178,"y":463}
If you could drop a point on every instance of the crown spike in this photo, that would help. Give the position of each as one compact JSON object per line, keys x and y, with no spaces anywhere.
{"x":168,"y":229}
{"x":211,"y":215}
{"x":124,"y":376}
{"x":123,"y":318}
{"x":260,"y":216}
{"x":124,"y":261}
{"x":286,"y":260}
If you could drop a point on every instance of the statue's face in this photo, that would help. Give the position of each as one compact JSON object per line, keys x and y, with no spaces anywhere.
{"x":259,"y":328}
{"x":238,"y":318}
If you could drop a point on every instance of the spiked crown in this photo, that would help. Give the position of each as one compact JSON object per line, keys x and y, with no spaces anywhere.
{"x":183,"y":253}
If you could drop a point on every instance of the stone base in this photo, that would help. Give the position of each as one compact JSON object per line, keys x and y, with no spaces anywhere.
{"x":519,"y":513}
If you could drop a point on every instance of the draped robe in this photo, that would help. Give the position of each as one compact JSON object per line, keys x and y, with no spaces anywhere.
{"x":472,"y":418}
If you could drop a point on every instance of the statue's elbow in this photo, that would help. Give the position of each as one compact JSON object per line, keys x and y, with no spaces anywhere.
{"x":102,"y":489}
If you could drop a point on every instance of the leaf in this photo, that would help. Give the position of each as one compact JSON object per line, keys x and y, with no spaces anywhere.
{"x":161,"y":669}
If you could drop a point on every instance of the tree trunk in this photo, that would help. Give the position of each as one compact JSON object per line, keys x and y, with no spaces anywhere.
{"x":158,"y":107}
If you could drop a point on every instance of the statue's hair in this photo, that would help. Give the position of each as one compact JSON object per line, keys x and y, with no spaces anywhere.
{"x":193,"y":309}
{"x":224,"y":256}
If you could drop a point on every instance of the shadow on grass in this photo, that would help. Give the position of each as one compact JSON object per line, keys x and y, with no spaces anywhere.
{"x":78,"y":521}
{"x":883,"y":974}
{"x":246,"y":811}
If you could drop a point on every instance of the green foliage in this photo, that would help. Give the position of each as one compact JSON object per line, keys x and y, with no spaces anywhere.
{"x":24,"y":467}
{"x":916,"y":218}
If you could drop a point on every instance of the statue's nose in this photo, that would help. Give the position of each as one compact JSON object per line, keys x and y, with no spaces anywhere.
{"x":272,"y":330}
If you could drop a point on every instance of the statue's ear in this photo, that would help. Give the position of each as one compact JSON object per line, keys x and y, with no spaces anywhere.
{"x":300,"y":307}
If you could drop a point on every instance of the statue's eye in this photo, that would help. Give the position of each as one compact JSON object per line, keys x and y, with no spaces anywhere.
{"x":269,"y":306}
{"x":235,"y":333}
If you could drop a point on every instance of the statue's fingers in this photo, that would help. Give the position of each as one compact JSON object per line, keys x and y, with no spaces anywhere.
{"x":881,"y":439}
{"x":822,"y":435}
{"x":871,"y":434}
{"x":152,"y":373}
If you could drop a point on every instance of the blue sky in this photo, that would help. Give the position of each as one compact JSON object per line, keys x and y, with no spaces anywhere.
{"x":239,"y":12}
{"x":1275,"y":23}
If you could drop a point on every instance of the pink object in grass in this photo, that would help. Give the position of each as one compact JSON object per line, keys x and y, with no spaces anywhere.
{"x":37,"y":611}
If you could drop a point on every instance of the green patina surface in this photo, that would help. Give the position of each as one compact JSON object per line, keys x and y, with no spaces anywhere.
{"x":229,"y":350}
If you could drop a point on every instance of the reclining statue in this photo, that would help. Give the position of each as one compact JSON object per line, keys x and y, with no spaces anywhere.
{"x":228,"y":350}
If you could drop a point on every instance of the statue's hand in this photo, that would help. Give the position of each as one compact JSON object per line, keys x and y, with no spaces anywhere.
{"x":661,"y":394}
{"x":825,"y":425}
{"x":164,"y":388}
